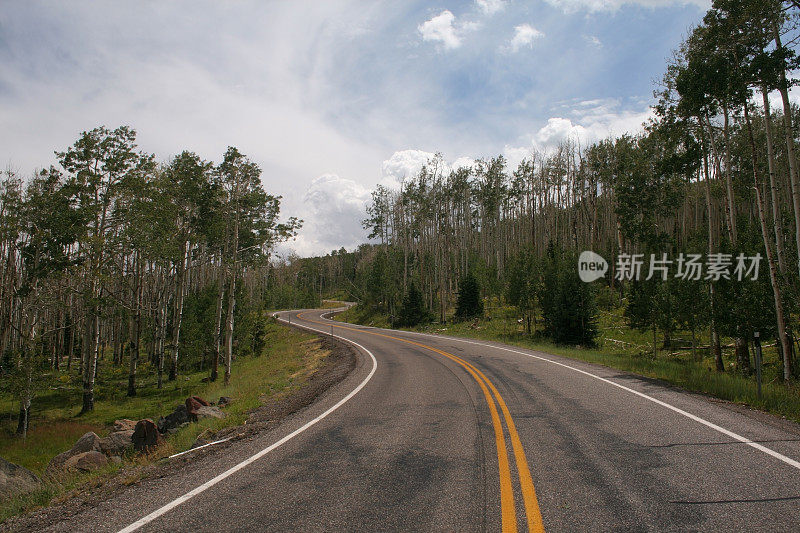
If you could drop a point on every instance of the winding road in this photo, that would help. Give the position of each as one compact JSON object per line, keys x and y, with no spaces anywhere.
{"x":432,"y":433}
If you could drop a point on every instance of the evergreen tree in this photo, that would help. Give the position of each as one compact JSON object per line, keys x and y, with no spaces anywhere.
{"x":413,"y":311}
{"x":568,"y":305}
{"x":469,"y":304}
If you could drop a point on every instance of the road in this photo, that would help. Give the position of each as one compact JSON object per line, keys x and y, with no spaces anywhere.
{"x":431,"y":433}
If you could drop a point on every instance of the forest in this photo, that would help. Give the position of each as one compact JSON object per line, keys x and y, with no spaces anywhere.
{"x":115,"y":259}
{"x":714,"y":175}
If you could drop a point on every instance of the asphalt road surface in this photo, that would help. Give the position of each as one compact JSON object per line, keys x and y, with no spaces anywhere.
{"x":431,"y":433}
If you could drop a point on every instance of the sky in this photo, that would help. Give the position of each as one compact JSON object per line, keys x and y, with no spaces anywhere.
{"x":331,"y":97}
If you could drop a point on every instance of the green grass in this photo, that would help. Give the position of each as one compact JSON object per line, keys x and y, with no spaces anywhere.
{"x":631,"y":351}
{"x":291,"y":356}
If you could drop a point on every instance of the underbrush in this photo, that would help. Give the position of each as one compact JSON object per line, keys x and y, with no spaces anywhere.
{"x":290,"y":357}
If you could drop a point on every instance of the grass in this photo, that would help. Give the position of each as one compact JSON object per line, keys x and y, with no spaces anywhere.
{"x":623,"y":348}
{"x":291,"y":357}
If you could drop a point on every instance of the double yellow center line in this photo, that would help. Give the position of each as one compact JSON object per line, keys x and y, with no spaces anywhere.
{"x":507,"y":506}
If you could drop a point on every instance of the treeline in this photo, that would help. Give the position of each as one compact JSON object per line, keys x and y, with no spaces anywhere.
{"x":715,"y":172}
{"x":114,"y":257}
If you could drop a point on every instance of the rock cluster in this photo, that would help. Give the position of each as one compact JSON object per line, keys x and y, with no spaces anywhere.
{"x":91,"y":452}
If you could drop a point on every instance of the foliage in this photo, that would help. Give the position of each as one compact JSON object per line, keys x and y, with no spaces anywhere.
{"x":469,"y":303}
{"x":413,"y":311}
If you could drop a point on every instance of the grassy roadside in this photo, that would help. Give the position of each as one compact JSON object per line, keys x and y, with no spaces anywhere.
{"x":291,"y":357}
{"x":624,"y":349}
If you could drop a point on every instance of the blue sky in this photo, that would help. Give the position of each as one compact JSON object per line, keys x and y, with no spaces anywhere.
{"x":332,"y":97}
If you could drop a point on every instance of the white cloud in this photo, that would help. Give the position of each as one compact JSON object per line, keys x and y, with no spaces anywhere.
{"x":403,"y":165}
{"x":491,"y":7}
{"x":524,"y":35}
{"x":515,"y":155}
{"x":571,"y":6}
{"x":463,"y":162}
{"x":560,"y":129}
{"x":333,"y":207}
{"x":591,"y":121}
{"x":444,"y":29}
{"x":440,"y":29}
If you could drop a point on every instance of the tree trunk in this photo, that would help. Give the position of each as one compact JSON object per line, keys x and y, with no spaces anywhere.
{"x":178,"y":314}
{"x":229,"y":327}
{"x":773,"y":274}
{"x":135,"y":326}
{"x":90,"y":366}
{"x":794,"y":181}
{"x":218,"y":327}
{"x":773,"y":188}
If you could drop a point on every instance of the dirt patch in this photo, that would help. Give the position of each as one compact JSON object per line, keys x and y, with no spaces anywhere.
{"x":329,"y":362}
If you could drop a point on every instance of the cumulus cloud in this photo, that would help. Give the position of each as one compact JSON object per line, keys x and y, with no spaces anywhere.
{"x":440,"y":29}
{"x":515,"y":155}
{"x":524,"y":35}
{"x":462,"y":162}
{"x":333,"y":208}
{"x":444,"y":29}
{"x":403,"y":165}
{"x":559,"y":129}
{"x":586,"y":122}
{"x":490,"y":7}
{"x":571,"y":6}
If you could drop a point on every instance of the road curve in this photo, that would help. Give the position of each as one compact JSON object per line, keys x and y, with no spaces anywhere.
{"x":431,"y":433}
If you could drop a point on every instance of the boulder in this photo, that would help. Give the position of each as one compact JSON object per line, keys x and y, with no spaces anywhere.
{"x":173,"y":420}
{"x":224,"y":401}
{"x":193,"y":403}
{"x":86,"y":461}
{"x":146,"y":436}
{"x":124,"y":424}
{"x":208,"y":411}
{"x":15,"y":479}
{"x":117,"y":443}
{"x":89,"y":442}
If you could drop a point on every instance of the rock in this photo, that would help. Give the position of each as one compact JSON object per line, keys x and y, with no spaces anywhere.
{"x":116,"y":459}
{"x":146,"y":436}
{"x":193,"y":403}
{"x":209,"y":412}
{"x":86,"y":461}
{"x":224,"y":401}
{"x":117,"y":443}
{"x":15,"y":479}
{"x":173,"y":420}
{"x":89,"y":442}
{"x":124,"y":424}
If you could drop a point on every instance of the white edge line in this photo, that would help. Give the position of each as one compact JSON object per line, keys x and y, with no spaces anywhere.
{"x":210,"y":483}
{"x":788,"y":460}
{"x":174,"y":455}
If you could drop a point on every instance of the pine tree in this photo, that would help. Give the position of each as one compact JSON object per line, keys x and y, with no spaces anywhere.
{"x":413,"y":311}
{"x":469,"y":304}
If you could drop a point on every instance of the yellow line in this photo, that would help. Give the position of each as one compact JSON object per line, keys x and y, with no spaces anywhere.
{"x":508,"y":509}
